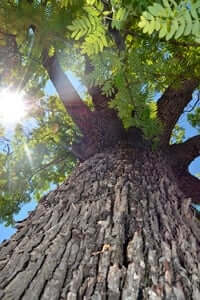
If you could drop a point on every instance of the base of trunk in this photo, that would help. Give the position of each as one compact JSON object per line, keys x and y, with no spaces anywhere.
{"x":119,"y":228}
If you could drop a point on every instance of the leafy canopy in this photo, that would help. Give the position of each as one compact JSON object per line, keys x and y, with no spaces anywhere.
{"x":136,"y":47}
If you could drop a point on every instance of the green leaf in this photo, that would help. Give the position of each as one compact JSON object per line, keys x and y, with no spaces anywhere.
{"x":154,"y":10}
{"x":146,"y":28}
{"x":188,"y":27}
{"x":92,"y":11}
{"x":194,"y":12}
{"x":121,"y":14}
{"x":147,"y":16}
{"x":181,"y":28}
{"x":91,"y":2}
{"x":166,"y":3}
{"x":158,"y":10}
{"x":152,"y":26}
{"x":143,"y":22}
{"x":196,"y":28}
{"x":157,"y":25}
{"x":173,"y":29}
{"x":51,"y":51}
{"x":163,"y":31}
{"x":93,"y":22}
{"x":107,"y":13}
{"x":173,"y":2}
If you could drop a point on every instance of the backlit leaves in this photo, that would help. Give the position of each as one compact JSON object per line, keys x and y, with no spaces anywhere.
{"x":172,"y":20}
{"x":90,"y":28}
{"x":119,"y":17}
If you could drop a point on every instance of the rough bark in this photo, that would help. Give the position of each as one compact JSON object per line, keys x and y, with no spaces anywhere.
{"x":116,"y":229}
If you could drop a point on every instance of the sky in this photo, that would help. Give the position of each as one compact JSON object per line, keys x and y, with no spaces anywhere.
{"x":7,"y":232}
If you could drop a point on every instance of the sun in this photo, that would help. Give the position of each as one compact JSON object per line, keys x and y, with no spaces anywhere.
{"x":12,"y":107}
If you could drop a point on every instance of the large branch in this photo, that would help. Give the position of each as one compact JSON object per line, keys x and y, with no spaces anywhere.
{"x":101,"y":129}
{"x":190,"y":186}
{"x":183,"y":154}
{"x":171,"y":106}
{"x":180,"y":156}
{"x":77,"y":109}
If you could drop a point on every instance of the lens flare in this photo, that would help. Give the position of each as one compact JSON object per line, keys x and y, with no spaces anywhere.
{"x":12,"y":107}
{"x":28,"y":153}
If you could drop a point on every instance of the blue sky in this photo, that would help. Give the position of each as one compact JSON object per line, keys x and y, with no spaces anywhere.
{"x":6,"y":232}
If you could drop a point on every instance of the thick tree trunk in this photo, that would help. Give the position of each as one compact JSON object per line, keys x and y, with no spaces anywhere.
{"x":119,"y":228}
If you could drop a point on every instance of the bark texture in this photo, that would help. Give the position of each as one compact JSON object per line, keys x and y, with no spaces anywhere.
{"x":116,"y":229}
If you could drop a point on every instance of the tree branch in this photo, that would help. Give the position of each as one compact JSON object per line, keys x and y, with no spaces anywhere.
{"x":180,"y":156}
{"x":171,"y":106}
{"x":190,"y":186}
{"x":183,"y":154}
{"x":77,"y":109}
{"x":101,"y":129}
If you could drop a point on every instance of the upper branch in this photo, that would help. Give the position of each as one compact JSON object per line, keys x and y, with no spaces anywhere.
{"x":183,"y":154}
{"x":180,"y":156}
{"x":101,"y":129}
{"x":77,"y":109}
{"x":190,"y":186}
{"x":171,"y":106}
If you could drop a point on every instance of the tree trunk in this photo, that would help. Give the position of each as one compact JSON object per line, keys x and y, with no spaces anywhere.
{"x":118,"y":228}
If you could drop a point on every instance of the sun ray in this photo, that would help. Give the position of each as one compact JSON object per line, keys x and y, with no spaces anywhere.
{"x":28,"y":153}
